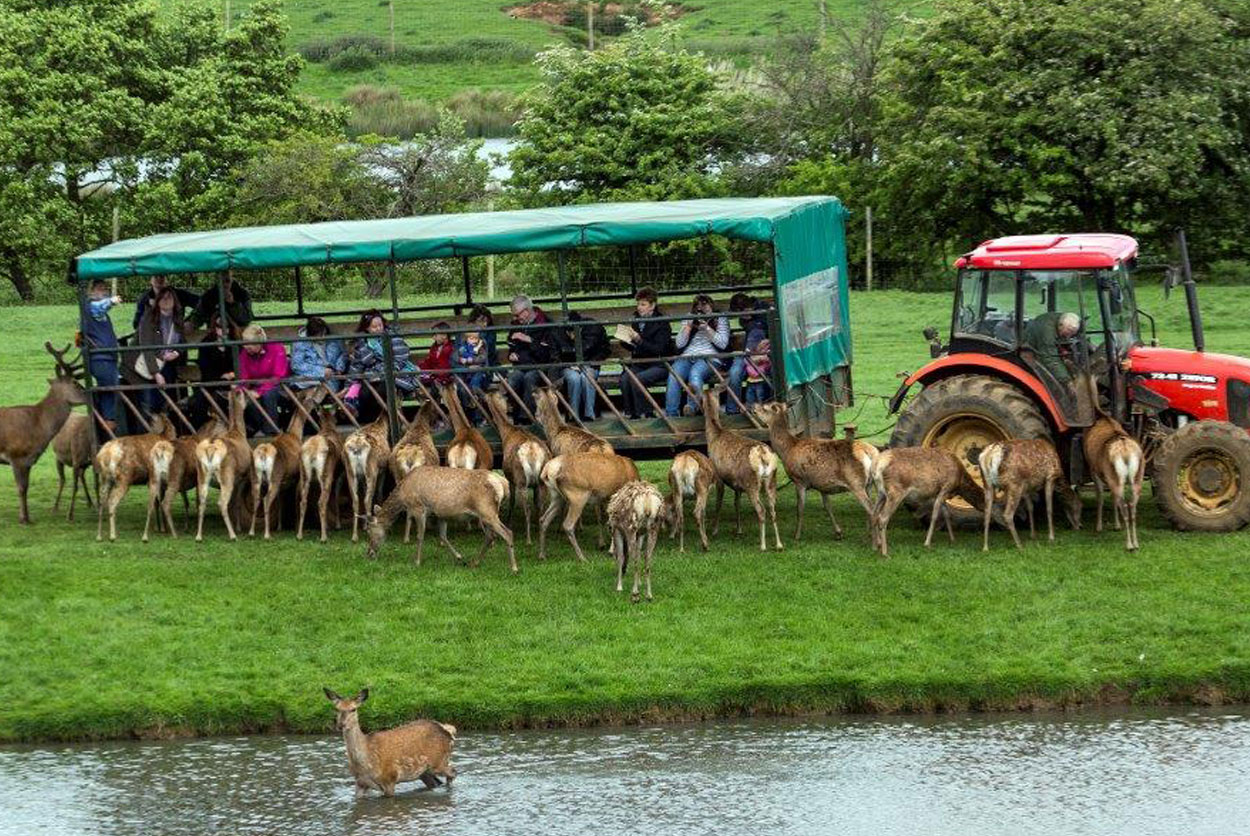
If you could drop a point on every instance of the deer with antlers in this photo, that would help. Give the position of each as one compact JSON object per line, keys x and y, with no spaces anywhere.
{"x":26,"y":431}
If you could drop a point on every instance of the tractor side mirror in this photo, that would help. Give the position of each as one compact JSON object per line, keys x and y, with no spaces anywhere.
{"x":935,"y":345}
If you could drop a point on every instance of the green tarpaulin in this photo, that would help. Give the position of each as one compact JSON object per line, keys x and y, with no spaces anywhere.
{"x":806,"y":232}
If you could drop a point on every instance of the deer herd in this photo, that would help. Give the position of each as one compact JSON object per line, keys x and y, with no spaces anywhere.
{"x":562,"y":472}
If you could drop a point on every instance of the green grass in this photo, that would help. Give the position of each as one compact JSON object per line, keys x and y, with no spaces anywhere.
{"x":109,"y":640}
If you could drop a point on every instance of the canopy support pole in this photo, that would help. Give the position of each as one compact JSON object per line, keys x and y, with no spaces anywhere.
{"x":390,"y":280}
{"x":224,"y":319}
{"x":299,"y":291}
{"x":392,"y":392}
{"x":563,"y":269}
{"x":468,"y":280}
{"x":633,"y":269}
{"x":88,"y":380}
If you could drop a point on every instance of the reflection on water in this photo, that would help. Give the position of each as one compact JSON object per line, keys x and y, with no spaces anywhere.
{"x":1105,"y":773}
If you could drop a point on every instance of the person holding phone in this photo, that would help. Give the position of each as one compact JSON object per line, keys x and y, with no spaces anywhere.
{"x":699,"y":339}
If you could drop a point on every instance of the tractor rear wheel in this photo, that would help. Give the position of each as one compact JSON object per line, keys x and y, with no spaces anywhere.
{"x":963,"y":414}
{"x":1201,"y":477}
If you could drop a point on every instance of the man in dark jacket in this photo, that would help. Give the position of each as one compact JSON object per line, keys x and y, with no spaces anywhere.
{"x":535,"y":347}
{"x":238,"y":304}
{"x":187,"y":299}
{"x":648,"y":338}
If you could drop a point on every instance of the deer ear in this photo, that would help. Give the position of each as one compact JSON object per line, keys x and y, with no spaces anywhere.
{"x":363,"y":695}
{"x":377,"y":510}
{"x":332,"y":696}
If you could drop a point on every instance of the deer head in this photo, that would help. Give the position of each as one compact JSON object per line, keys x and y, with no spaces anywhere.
{"x":773,"y":412}
{"x":69,"y":374}
{"x":346,"y":708}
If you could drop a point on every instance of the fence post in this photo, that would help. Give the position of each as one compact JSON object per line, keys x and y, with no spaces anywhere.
{"x":868,"y":247}
{"x":590,"y":25}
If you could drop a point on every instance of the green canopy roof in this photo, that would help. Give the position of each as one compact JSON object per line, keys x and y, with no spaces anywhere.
{"x":447,"y":236}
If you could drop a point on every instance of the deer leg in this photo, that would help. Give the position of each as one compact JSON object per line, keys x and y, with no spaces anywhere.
{"x":353,"y":485}
{"x":700,"y":517}
{"x":21,"y":475}
{"x":442,"y":538}
{"x":115,"y":499}
{"x":1098,"y":490}
{"x":1009,"y":514}
{"x":73,"y":496}
{"x":933,"y":517}
{"x":167,"y":506}
{"x":576,"y":504}
{"x":60,"y":488}
{"x":800,"y":492}
{"x":270,"y":496}
{"x":622,"y":557}
{"x":679,"y":520}
{"x":754,"y":496}
{"x":493,"y":523}
{"x":651,"y":535}
{"x":770,"y":495}
{"x":887,"y":505}
{"x":634,"y":544}
{"x":861,"y":496}
{"x":422,"y":516}
{"x":1050,"y":510}
{"x":153,"y":496}
{"x":946,"y":515}
{"x":989,"y":511}
{"x":201,"y":496}
{"x":837,"y":529}
{"x":737,"y":512}
{"x":225,"y":493}
{"x":720,"y":498}
{"x":1028,"y":507}
{"x":305,"y":483}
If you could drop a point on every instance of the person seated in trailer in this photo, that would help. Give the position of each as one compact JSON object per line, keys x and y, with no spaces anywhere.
{"x":577,"y":379}
{"x":187,"y":299}
{"x":754,"y":324}
{"x":216,"y":364}
{"x":436,"y":365}
{"x":317,"y":358}
{"x":367,"y":359}
{"x":648,"y":337}
{"x":529,"y":348}
{"x":470,"y":359}
{"x":1049,"y":338}
{"x":238,"y":303}
{"x":481,"y":316}
{"x":161,"y":326}
{"x":264,"y":364}
{"x":758,"y":367}
{"x":102,"y":340}
{"x":699,"y":337}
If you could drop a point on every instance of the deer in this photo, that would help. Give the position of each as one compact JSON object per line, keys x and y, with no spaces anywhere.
{"x":825,"y":465}
{"x":524,"y":455}
{"x":1020,"y":468}
{"x":564,"y":438}
{"x":414,"y":449}
{"x":25,"y":431}
{"x":319,"y":460}
{"x":692,"y":474}
{"x":469,"y":449}
{"x":742,"y":464}
{"x":226,"y":460}
{"x":635,"y":512}
{"x":920,"y":474}
{"x":276,"y":464}
{"x":120,"y":463}
{"x":365,"y":453}
{"x":74,"y":447}
{"x":416,"y":751}
{"x":172,"y":470}
{"x":574,"y":480}
{"x":447,"y":493}
{"x":1116,"y":461}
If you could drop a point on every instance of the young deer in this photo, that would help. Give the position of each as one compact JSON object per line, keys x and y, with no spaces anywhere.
{"x":319,"y":460}
{"x":226,"y":460}
{"x":366,"y":452}
{"x":742,"y":464}
{"x":416,"y":751}
{"x":172,"y":470}
{"x":691,"y":475}
{"x":74,"y":447}
{"x":823,"y":465}
{"x":575,"y":480}
{"x":561,"y":437}
{"x":1116,"y":461}
{"x":524,"y":455}
{"x":1020,"y":468}
{"x":276,"y":464}
{"x":635,"y":512}
{"x":123,"y":462}
{"x":468,"y":449}
{"x":414,"y":449}
{"x":920,"y":474}
{"x":447,"y":493}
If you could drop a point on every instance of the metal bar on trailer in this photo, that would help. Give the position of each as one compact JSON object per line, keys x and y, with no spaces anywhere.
{"x":388,"y":357}
{"x":264,"y":412}
{"x":684,"y":385}
{"x":468,"y":280}
{"x":503,"y":381}
{"x":560,"y":398}
{"x":343,"y":407}
{"x":741,"y":406}
{"x":477,"y":403}
{"x":102,"y":423}
{"x":183,"y":418}
{"x":88,"y":380}
{"x":594,"y":381}
{"x":135,"y":411}
{"x":658,"y":409}
{"x":211,"y":400}
{"x":437,"y":401}
{"x":298,"y":403}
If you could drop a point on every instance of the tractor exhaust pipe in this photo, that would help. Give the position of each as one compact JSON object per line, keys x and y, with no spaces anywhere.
{"x":1191,"y":293}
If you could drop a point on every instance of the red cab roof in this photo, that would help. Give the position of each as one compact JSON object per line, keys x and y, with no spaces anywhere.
{"x":1051,"y":252}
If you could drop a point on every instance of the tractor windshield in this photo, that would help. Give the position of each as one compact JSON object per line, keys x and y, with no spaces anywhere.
{"x":985,"y":306}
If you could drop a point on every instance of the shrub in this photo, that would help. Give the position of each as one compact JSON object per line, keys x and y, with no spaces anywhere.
{"x":486,"y":112}
{"x":324,"y":49}
{"x":353,"y":59}
{"x":385,"y":112}
{"x":467,"y":50}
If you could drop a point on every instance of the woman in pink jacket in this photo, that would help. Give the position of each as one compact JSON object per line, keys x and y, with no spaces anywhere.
{"x":265,"y":363}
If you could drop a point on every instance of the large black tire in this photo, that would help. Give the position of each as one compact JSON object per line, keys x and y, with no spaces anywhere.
{"x":1201,"y":477}
{"x":963,"y":414}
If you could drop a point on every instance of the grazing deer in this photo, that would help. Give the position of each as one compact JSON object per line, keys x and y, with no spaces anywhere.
{"x":26,"y":430}
{"x":172,"y":470}
{"x":635,"y":512}
{"x":319,"y":461}
{"x":1116,"y":461}
{"x":416,"y":751}
{"x":366,"y":452}
{"x":825,"y":465}
{"x":276,"y":464}
{"x":565,"y":438}
{"x":524,"y":455}
{"x":447,"y":493}
{"x":574,"y":480}
{"x":226,"y":460}
{"x":74,"y":447}
{"x":468,"y":449}
{"x":123,"y":462}
{"x":745,"y":465}
{"x":920,"y":474}
{"x":691,"y":475}
{"x":414,"y":449}
{"x":1020,"y":468}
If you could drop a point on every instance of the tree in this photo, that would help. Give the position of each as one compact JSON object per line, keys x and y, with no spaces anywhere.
{"x":435,"y":172}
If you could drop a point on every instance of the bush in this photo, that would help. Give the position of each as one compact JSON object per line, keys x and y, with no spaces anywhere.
{"x":324,"y":49}
{"x":486,"y":112}
{"x":467,"y":50}
{"x":385,"y":112}
{"x":353,"y":59}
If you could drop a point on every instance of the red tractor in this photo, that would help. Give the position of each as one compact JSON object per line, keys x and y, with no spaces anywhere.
{"x":1035,"y":317}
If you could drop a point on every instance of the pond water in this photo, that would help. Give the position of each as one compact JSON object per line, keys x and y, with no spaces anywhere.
{"x":1099,"y":772}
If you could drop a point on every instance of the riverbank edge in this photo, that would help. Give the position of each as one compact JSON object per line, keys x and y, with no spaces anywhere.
{"x":793,"y":700}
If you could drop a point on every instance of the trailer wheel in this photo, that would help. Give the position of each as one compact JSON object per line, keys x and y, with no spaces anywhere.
{"x":1201,"y":477}
{"x":963,"y":414}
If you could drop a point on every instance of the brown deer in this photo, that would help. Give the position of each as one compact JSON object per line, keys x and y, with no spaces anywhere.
{"x":635,"y":513}
{"x":447,"y":493}
{"x":469,"y":449}
{"x":1116,"y":461}
{"x":920,"y":474}
{"x":691,"y":475}
{"x":416,"y":751}
{"x":276,"y":464}
{"x":226,"y":460}
{"x":123,"y":462}
{"x":743,"y":464}
{"x":172,"y":470}
{"x":1020,"y":468}
{"x":320,"y":457}
{"x":74,"y":447}
{"x":524,"y":455}
{"x":414,"y":449}
{"x":821,"y":464}
{"x":25,"y":431}
{"x":365,"y":453}
{"x":561,"y":437}
{"x":574,"y":480}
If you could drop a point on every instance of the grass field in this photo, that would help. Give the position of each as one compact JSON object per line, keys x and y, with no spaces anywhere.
{"x":111,"y":640}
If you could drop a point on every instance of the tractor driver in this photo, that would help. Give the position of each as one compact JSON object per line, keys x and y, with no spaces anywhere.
{"x":1049,"y":337}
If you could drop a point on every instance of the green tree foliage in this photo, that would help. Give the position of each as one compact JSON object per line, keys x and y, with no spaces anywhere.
{"x":435,"y":172}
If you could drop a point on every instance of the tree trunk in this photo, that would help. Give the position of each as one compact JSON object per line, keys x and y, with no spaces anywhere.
{"x":17,"y":275}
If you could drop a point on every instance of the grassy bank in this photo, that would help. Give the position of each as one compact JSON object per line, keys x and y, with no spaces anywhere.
{"x":100,"y":640}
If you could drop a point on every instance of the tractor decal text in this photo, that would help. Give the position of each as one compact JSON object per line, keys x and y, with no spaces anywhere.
{"x":1185,"y":377}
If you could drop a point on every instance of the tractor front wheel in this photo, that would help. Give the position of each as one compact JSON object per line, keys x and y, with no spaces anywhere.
{"x":1201,"y":477}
